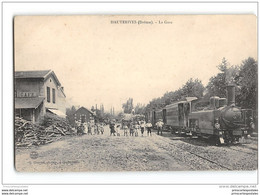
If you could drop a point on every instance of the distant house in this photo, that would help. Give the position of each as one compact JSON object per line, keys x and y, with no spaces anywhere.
{"x":38,"y":92}
{"x":84,"y":115}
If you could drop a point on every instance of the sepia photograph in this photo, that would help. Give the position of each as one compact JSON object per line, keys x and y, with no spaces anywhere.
{"x":124,"y":93}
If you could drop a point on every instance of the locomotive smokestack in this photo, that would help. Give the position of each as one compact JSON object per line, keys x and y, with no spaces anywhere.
{"x":230,"y":94}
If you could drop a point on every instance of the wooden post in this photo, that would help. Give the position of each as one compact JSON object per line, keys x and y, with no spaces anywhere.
{"x":33,"y":117}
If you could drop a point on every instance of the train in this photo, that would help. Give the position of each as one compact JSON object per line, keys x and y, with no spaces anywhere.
{"x":221,"y":121}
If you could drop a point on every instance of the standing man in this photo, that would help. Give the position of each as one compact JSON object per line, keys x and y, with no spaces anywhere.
{"x":149,"y":128}
{"x":131,"y":129}
{"x":142,"y":127}
{"x":112,"y":128}
{"x":125,"y":128}
{"x":159,"y":125}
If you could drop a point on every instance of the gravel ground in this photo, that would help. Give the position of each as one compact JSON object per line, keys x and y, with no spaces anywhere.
{"x":119,"y":153}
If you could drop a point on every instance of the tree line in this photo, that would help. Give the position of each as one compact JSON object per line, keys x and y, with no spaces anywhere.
{"x":244,"y":76}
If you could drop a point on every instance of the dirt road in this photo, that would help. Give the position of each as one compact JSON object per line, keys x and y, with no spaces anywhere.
{"x":119,"y":153}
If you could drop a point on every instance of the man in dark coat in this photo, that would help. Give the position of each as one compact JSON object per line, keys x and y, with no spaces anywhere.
{"x":112,"y":128}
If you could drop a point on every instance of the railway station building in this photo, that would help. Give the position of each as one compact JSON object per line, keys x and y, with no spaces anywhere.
{"x":38,"y":92}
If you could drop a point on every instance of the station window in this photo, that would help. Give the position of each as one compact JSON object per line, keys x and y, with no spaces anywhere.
{"x":53,"y":96}
{"x":48,"y":95}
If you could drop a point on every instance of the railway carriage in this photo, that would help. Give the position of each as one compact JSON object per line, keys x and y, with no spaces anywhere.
{"x":176,"y":116}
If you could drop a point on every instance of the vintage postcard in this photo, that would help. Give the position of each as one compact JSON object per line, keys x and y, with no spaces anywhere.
{"x":98,"y":93}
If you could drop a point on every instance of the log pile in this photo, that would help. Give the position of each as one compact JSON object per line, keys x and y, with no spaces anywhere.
{"x":51,"y":129}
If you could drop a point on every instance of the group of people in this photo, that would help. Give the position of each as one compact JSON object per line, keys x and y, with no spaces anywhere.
{"x":133,"y":127}
{"x":90,"y":128}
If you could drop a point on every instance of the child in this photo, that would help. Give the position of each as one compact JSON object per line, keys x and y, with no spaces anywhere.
{"x":117,"y":130}
{"x":80,"y":129}
{"x":98,"y":128}
{"x":101,"y":129}
{"x":89,"y":129}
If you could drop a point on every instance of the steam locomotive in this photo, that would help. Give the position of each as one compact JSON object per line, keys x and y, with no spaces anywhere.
{"x":221,"y":121}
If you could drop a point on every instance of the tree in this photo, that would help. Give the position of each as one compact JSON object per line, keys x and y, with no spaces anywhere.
{"x":108,"y":116}
{"x":120,"y":116}
{"x":247,"y":82}
{"x":193,"y":88}
{"x":70,"y":115}
{"x":128,"y":106}
{"x":139,"y":108}
{"x":101,"y":109}
{"x":98,"y":113}
{"x":217,"y":84}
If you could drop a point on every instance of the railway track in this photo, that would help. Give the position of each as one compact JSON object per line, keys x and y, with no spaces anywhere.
{"x":201,"y":157}
{"x":239,"y":147}
{"x":248,"y":147}
{"x":204,"y":158}
{"x":251,"y":153}
{"x":197,"y":148}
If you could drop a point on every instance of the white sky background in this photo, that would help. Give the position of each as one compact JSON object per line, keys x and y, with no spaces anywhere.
{"x":99,"y":62}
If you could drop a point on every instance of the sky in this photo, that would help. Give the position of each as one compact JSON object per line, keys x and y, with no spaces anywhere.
{"x":99,"y":61}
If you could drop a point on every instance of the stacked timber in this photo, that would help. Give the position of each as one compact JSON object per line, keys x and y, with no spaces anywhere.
{"x":52,"y":129}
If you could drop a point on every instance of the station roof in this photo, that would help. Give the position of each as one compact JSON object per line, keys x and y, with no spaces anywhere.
{"x":32,"y":74}
{"x":36,"y":74}
{"x":28,"y":103}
